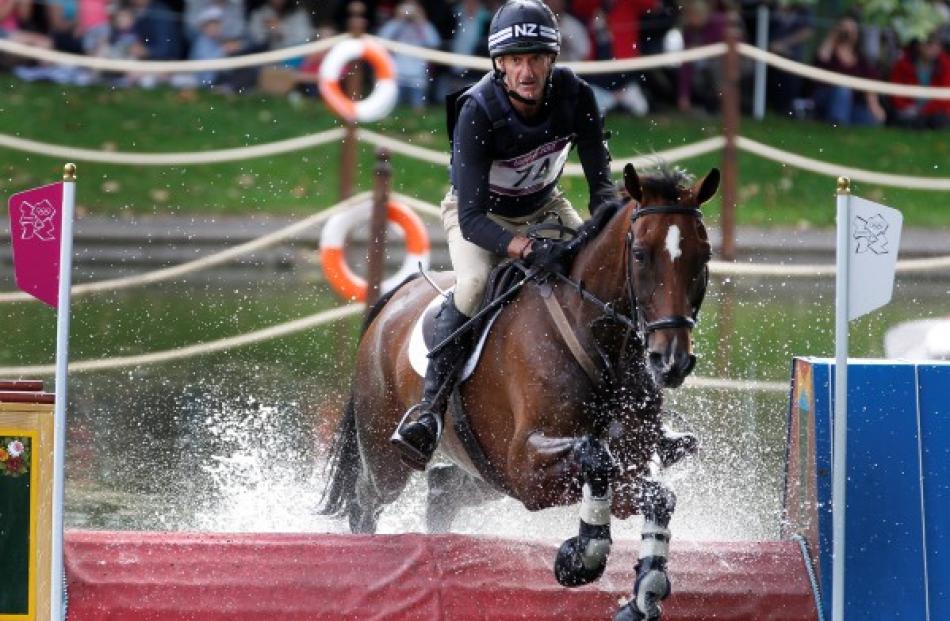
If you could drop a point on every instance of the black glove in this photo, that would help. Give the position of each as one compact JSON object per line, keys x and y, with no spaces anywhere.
{"x":548,"y":254}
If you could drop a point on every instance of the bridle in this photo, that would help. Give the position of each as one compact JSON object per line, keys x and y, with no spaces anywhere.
{"x":636,"y":321}
{"x":670,"y":321}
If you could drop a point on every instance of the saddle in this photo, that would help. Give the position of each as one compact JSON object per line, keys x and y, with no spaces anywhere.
{"x":502,"y":278}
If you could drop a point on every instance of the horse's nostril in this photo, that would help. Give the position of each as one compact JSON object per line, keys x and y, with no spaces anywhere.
{"x":690,"y":363}
{"x":656,"y":360}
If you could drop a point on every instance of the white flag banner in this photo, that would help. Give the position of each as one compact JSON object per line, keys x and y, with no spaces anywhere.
{"x":875,"y":235}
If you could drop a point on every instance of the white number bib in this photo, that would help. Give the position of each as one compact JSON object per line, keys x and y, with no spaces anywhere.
{"x":530,"y":172}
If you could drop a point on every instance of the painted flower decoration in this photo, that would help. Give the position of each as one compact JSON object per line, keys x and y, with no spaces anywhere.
{"x":15,"y":448}
{"x":15,"y":458}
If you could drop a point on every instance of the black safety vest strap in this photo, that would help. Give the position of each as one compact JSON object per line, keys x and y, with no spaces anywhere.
{"x":452,"y":109}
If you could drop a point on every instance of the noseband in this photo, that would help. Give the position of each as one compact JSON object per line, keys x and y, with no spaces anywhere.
{"x":671,"y":321}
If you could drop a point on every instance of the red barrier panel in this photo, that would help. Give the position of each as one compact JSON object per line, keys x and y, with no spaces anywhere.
{"x":217,"y":577}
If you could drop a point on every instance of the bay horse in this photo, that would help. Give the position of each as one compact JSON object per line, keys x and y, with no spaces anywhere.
{"x":550,"y":432}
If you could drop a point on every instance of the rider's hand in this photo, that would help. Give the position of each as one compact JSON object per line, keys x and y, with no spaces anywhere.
{"x":518,"y":247}
{"x":549,"y":254}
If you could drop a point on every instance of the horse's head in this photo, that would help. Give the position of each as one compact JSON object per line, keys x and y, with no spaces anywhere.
{"x":666,"y":260}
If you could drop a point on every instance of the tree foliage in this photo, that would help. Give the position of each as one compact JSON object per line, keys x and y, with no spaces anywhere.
{"x":910,"y":19}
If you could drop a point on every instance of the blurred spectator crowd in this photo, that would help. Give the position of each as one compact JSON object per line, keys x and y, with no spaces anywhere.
{"x":591,"y":30}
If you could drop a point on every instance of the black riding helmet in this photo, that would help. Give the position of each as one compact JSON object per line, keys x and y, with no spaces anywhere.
{"x":523,"y":27}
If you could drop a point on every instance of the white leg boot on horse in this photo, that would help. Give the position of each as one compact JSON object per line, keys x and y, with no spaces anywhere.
{"x":652,"y":584}
{"x":419,"y":432}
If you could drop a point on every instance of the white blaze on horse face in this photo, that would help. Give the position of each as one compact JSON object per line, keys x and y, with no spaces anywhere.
{"x":673,"y":239}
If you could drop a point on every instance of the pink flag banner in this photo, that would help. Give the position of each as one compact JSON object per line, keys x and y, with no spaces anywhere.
{"x":36,"y":231}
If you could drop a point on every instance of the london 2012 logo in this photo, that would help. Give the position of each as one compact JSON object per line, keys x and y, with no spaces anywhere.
{"x":36,"y":221}
{"x":871,"y":234}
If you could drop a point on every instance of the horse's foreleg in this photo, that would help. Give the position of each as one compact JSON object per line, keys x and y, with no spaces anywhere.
{"x":652,"y":584}
{"x":582,"y":559}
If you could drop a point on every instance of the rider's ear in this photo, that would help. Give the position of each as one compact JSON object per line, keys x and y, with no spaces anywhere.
{"x":632,"y":182}
{"x":705,"y":189}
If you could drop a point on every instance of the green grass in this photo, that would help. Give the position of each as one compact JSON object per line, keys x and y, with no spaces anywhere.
{"x":163,"y":120}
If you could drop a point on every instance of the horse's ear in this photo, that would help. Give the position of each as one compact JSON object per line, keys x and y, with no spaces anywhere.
{"x":706,"y":188}
{"x":632,"y":182}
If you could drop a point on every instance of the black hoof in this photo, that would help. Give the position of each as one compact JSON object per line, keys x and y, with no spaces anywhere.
{"x":569,"y":568}
{"x":676,"y":447}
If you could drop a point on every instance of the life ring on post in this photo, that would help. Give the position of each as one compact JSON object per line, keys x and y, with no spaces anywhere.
{"x":383,"y":98}
{"x":333,"y":237}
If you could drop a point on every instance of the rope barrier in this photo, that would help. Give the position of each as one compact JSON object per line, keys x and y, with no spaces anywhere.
{"x":727,"y":268}
{"x":906,"y":266}
{"x":197,"y":349}
{"x":440,"y":158}
{"x":209,"y":261}
{"x":716,"y":267}
{"x":292,"y":327}
{"x":640,"y":63}
{"x":426,"y":209}
{"x":835,"y":170}
{"x":168,"y":66}
{"x":648,"y":62}
{"x":839,"y":79}
{"x":581,"y":67}
{"x":674,"y":154}
{"x":172,"y":159}
{"x":403,"y":148}
{"x":449,"y":59}
{"x":719,"y":383}
{"x":571,"y":170}
{"x":719,"y":268}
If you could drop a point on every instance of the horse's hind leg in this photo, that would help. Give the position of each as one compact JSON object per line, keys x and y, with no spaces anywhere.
{"x":364,"y":512}
{"x":652,"y":584}
{"x":451,"y":489}
{"x":382,"y":477}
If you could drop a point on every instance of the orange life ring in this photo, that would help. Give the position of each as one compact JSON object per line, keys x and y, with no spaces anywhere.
{"x":383,"y":98}
{"x":333,"y":237}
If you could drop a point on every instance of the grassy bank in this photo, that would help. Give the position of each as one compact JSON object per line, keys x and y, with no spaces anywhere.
{"x":163,"y":120}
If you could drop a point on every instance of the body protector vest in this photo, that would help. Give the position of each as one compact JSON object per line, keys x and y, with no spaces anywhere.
{"x":527,"y":158}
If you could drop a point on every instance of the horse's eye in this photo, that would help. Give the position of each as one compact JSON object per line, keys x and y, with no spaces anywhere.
{"x":639,"y":254}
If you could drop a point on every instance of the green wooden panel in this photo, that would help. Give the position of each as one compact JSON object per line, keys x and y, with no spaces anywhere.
{"x":16,"y":465}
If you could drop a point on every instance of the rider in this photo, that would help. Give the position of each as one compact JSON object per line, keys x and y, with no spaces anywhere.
{"x":511,"y":134}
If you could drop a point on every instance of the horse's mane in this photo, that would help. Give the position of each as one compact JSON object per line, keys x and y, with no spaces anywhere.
{"x":663,"y":180}
{"x":666,"y":181}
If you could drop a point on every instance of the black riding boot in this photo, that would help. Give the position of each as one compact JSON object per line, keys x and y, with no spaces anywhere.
{"x":418,"y":434}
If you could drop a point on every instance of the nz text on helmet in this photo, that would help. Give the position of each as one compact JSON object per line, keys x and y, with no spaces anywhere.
{"x":521,"y":26}
{"x":523,"y":32}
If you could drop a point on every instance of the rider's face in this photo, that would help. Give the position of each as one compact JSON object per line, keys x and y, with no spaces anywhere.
{"x":525,"y":74}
